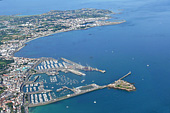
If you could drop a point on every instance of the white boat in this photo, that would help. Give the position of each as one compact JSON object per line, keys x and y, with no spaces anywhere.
{"x":82,"y":81}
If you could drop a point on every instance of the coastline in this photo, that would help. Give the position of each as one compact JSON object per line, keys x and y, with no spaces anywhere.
{"x":140,"y":45}
{"x":60,"y":31}
{"x":66,"y":30}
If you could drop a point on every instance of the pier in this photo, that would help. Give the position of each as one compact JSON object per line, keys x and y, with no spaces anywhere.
{"x":125,"y":75}
{"x":78,"y":92}
{"x":52,"y":66}
{"x":121,"y":84}
{"x":32,"y":82}
{"x":65,"y":87}
{"x":35,"y":78}
{"x":39,"y":91}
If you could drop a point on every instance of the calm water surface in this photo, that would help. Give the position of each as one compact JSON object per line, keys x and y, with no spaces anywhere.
{"x":143,"y":40}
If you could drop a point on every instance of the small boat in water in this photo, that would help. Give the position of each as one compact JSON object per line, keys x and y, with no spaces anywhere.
{"x":82,"y":81}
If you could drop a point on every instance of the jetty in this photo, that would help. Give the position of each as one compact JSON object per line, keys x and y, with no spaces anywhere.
{"x":77,"y":91}
{"x":123,"y":85}
{"x":119,"y":84}
{"x":125,"y":75}
{"x":65,"y":87}
{"x":39,"y":91}
{"x":52,"y":66}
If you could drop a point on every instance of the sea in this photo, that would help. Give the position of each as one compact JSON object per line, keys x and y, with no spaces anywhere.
{"x":140,"y":45}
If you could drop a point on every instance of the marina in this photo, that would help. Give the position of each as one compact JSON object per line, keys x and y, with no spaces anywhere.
{"x":43,"y":96}
{"x":42,"y":91}
{"x":59,"y":87}
{"x":140,"y":45}
{"x":77,"y":91}
{"x":51,"y":66}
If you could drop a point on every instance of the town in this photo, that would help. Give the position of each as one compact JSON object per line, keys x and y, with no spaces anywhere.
{"x":29,"y":27}
{"x":17,"y":91}
{"x":16,"y":31}
{"x":20,"y":92}
{"x":13,"y":97}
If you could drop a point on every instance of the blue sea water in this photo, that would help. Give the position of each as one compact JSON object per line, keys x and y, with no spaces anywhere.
{"x":143,"y":40}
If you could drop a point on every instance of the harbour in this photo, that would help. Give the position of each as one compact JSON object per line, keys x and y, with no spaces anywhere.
{"x":43,"y":96}
{"x":77,"y":92}
{"x":142,"y":40}
{"x":51,"y":66}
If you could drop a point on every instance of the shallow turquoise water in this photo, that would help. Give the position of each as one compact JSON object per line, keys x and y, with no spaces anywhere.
{"x":131,"y":46}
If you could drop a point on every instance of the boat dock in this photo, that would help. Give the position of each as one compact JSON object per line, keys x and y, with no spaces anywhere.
{"x":35,"y":78}
{"x":39,"y":91}
{"x":76,"y":72}
{"x":81,"y":90}
{"x":65,"y":87}
{"x":52,"y":66}
{"x":40,"y":96}
{"x":77,"y":91}
{"x":32,"y":82}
